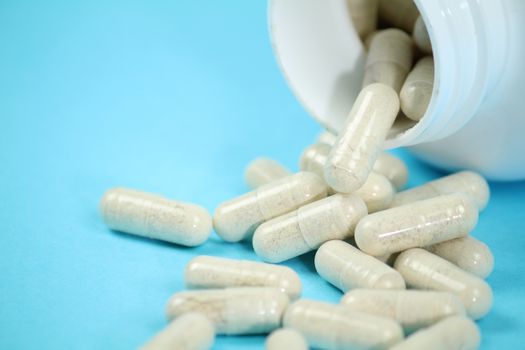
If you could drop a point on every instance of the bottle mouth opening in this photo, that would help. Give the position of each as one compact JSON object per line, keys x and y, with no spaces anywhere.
{"x":325,"y":70}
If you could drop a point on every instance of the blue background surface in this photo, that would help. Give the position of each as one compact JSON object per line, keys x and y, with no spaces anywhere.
{"x":174,"y":97}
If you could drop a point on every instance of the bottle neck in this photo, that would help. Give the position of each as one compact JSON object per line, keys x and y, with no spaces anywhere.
{"x":468,"y":42}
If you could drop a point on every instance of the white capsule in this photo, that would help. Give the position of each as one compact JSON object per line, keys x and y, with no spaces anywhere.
{"x":399,"y":13}
{"x":333,"y":327}
{"x":467,"y":253}
{"x":306,"y":228}
{"x":243,"y":310}
{"x":377,"y":192}
{"x":424,"y":270}
{"x":154,"y":216}
{"x":466,"y":182}
{"x":417,"y":224}
{"x":388,"y":259}
{"x":238,"y":218}
{"x":364,"y":15}
{"x":346,"y":267}
{"x":453,"y":333}
{"x":326,"y":137}
{"x":416,"y":92}
{"x":286,"y":339}
{"x":205,"y":272}
{"x":359,"y":144}
{"x":421,"y":37}
{"x":389,"y":59}
{"x":191,"y":331}
{"x":393,"y":168}
{"x":314,"y":158}
{"x":368,"y":40}
{"x":261,"y":171}
{"x":413,"y":309}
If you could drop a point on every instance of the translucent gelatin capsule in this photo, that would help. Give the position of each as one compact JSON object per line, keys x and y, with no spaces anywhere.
{"x":333,"y":327}
{"x":399,"y":13}
{"x":346,"y":267}
{"x":413,"y":309}
{"x":359,"y":144}
{"x":368,"y":39}
{"x":467,"y":182}
{"x":467,"y":253}
{"x":364,"y":15}
{"x":417,"y":224}
{"x":238,"y":218}
{"x":286,"y":339}
{"x":453,"y":333}
{"x":326,"y":137}
{"x":420,"y":36}
{"x":416,"y":92}
{"x":393,"y":168}
{"x":377,"y":192}
{"x":388,"y":259}
{"x":154,"y":216}
{"x":241,"y":310}
{"x":261,"y":171}
{"x":314,"y":158}
{"x":389,"y":59}
{"x":306,"y":228}
{"x":424,"y":270}
{"x":205,"y":272}
{"x":191,"y":331}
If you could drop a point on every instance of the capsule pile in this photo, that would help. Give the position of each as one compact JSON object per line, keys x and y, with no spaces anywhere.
{"x":404,"y":258}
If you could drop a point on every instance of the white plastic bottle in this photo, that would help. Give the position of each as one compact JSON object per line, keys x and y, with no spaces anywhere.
{"x":476,"y":116}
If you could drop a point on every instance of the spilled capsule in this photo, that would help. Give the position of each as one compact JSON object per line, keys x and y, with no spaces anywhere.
{"x":467,"y":253}
{"x":467,"y":182}
{"x":208,"y":272}
{"x":389,"y":59}
{"x":286,"y":339}
{"x":346,"y":267}
{"x":364,"y":15}
{"x":261,"y":171}
{"x":413,"y":309}
{"x":360,"y":142}
{"x":391,"y":167}
{"x":453,"y":333}
{"x":421,"y":37}
{"x":424,"y":270}
{"x":191,"y":331}
{"x":368,"y":40}
{"x":306,"y":228}
{"x":416,"y":91}
{"x":417,"y":224}
{"x":242,"y":310}
{"x":326,"y":137}
{"x":377,"y":192}
{"x":154,"y":216}
{"x":333,"y":327}
{"x":238,"y":218}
